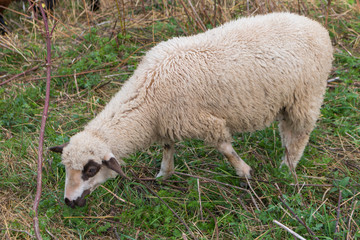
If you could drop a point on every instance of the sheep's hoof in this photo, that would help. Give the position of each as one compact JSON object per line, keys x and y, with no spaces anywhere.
{"x":244,"y":185}
{"x":281,"y":165}
{"x":248,"y":175}
{"x":245,"y":171}
{"x":163,"y":175}
{"x":285,"y":164}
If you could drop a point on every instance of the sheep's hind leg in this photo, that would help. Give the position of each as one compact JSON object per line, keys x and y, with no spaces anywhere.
{"x":167,"y":163}
{"x":294,"y":143}
{"x":242,"y":169}
{"x":295,"y":135}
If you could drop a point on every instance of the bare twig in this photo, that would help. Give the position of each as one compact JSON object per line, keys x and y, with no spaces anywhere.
{"x":221,"y":183}
{"x":43,"y":122}
{"x":18,"y":75}
{"x":213,"y":181}
{"x":338,"y":214}
{"x":172,"y":210}
{"x":350,"y":218}
{"x":116,"y":196}
{"x":289,"y":230}
{"x":216,"y":230}
{"x":201,"y":210}
{"x":196,"y":17}
{"x":214,"y":13}
{"x":52,"y":235}
{"x":87,"y":15}
{"x":123,"y":62}
{"x":188,"y":13}
{"x":167,"y":205}
{"x":121,"y":15}
{"x":243,"y":205}
{"x":297,"y":218}
{"x":327,"y":13}
{"x":247,"y":180}
{"x":16,"y":230}
{"x":313,"y":185}
{"x":333,"y":79}
{"x":116,"y":234}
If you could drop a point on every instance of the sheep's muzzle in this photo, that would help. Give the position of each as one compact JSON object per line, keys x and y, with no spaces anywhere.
{"x":80,"y":201}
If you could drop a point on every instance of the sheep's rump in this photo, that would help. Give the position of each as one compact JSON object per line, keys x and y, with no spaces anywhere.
{"x":243,"y":73}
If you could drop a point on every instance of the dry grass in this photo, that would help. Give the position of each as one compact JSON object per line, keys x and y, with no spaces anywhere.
{"x":140,"y":19}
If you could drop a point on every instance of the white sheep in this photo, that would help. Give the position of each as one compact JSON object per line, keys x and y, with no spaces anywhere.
{"x":238,"y":77}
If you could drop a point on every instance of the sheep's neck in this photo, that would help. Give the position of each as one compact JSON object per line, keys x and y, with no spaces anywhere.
{"x":124,"y":134}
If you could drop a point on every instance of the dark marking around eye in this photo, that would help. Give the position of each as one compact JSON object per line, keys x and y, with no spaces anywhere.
{"x":90,"y":170}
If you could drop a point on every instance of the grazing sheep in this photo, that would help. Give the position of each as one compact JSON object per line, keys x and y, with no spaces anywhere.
{"x":239,"y":77}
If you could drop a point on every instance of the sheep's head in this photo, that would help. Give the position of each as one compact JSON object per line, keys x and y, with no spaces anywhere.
{"x":88,"y":162}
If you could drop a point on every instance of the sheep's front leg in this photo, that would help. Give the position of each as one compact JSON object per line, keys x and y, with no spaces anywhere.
{"x":167,"y":164}
{"x":242,"y":169}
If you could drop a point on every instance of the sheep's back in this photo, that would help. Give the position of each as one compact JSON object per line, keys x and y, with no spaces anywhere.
{"x":244,"y":72}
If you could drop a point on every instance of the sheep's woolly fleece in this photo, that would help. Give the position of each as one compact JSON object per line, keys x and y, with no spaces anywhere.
{"x":238,"y":77}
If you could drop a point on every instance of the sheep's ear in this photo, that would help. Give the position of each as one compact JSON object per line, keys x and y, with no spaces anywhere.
{"x":58,"y":149}
{"x":114,"y":165}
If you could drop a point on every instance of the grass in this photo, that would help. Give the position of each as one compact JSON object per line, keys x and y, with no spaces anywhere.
{"x":93,"y":54}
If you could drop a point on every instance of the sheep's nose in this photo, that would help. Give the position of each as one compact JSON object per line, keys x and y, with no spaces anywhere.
{"x":69,"y":203}
{"x":80,"y":201}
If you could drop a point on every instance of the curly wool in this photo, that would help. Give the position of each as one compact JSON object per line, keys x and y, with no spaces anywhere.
{"x":238,"y":77}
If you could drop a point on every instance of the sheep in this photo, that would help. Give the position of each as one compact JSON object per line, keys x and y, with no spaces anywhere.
{"x":239,"y":77}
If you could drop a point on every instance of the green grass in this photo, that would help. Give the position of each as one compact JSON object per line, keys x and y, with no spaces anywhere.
{"x":330,"y":165}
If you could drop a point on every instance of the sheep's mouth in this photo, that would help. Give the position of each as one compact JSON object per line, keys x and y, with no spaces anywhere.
{"x":79,"y":202}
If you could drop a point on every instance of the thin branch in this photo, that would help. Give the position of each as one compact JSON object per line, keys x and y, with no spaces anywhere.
{"x":116,"y":234}
{"x":247,"y":180}
{"x":123,"y":62}
{"x":196,"y":17}
{"x":201,"y":209}
{"x":289,"y":230}
{"x":243,"y":205}
{"x":18,"y":75}
{"x":87,"y":15}
{"x":214,"y":13}
{"x":297,"y":218}
{"x":16,"y":230}
{"x":43,"y":122}
{"x":167,"y":205}
{"x":338,"y":214}
{"x":313,"y":185}
{"x":213,"y":181}
{"x":116,"y":196}
{"x":188,"y":13}
{"x":172,"y":210}
{"x":216,"y":231}
{"x":221,"y":183}
{"x":350,"y":218}
{"x":327,"y":13}
{"x":52,"y":235}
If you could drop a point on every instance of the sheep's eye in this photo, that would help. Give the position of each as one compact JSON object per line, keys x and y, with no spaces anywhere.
{"x":90,"y":170}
